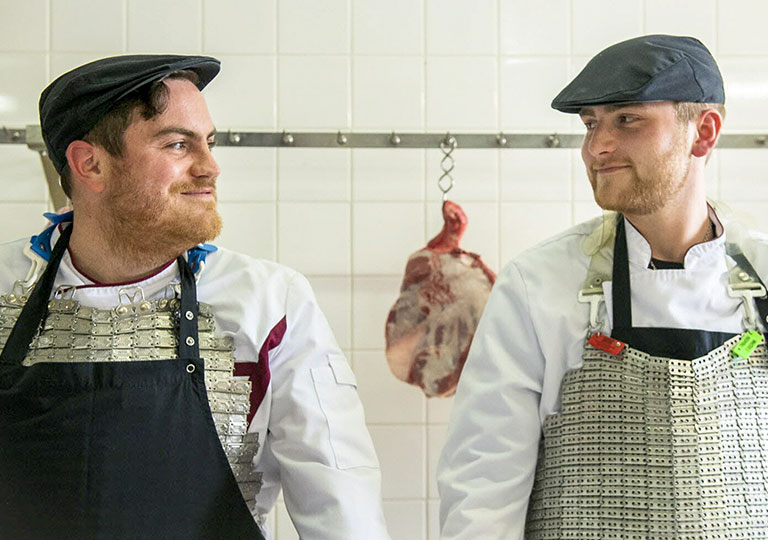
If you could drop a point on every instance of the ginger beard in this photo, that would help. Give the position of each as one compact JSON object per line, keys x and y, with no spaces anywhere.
{"x":155,"y":227}
{"x":646,"y":186}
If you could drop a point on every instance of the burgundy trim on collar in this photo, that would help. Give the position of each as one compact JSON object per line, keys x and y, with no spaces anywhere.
{"x":258,"y":372}
{"x":100,"y":284}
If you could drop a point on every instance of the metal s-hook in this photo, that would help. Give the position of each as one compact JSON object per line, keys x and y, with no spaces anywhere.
{"x":445,"y":183}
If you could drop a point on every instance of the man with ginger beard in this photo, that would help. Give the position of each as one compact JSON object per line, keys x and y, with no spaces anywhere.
{"x":617,"y":386}
{"x":152,"y":385}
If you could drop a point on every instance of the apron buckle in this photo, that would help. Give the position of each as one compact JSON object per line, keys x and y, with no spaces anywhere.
{"x":593,"y":296}
{"x":748,"y":291}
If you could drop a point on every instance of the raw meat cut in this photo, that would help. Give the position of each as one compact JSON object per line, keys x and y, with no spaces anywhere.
{"x":430,"y":327}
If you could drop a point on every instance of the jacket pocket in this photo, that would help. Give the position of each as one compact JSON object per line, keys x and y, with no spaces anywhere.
{"x":336,"y":389}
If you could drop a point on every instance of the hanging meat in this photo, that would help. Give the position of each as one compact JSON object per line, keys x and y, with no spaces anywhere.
{"x":430,"y":327}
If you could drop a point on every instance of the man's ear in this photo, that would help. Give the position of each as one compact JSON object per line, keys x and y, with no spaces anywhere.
{"x":86,"y":162}
{"x":707,"y":132}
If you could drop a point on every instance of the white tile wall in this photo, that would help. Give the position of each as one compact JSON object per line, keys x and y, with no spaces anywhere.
{"x":684,"y":17}
{"x":312,"y":174}
{"x":535,"y":29}
{"x":387,"y":175}
{"x":435,"y":440}
{"x":392,"y":27}
{"x":524,"y":81}
{"x":439,"y":410}
{"x":386,"y":399}
{"x":314,"y":237}
{"x":249,"y":228}
{"x":167,"y":26}
{"x":372,"y":298}
{"x":19,"y":165}
{"x":403,"y":460}
{"x":313,"y":27}
{"x":23,"y":26}
{"x":384,"y":235}
{"x":71,"y":31}
{"x":247,"y":79}
{"x":460,"y":27}
{"x":349,"y":219}
{"x":744,"y":173}
{"x":388,"y":93}
{"x":247,"y":174}
{"x":334,"y":295}
{"x":524,"y":225}
{"x":313,"y":92}
{"x":740,"y":27}
{"x":24,"y":75}
{"x":746,"y":90}
{"x":406,"y":519}
{"x":240,"y":26}
{"x":535,"y":175}
{"x":462,"y":93}
{"x":599,"y":23}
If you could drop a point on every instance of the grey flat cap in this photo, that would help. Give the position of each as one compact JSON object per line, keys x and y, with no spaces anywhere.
{"x":647,"y":68}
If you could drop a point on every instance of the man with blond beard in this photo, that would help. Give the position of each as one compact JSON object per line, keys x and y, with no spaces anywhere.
{"x":153,"y":386}
{"x":616,"y":386}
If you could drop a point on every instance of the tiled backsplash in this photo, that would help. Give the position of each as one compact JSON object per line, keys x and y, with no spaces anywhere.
{"x":350,"y":218}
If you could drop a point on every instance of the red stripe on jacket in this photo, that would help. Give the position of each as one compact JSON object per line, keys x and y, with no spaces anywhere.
{"x":258,"y":372}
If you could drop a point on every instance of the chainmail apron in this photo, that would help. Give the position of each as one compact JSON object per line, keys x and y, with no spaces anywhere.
{"x":145,"y":331}
{"x":651,"y":447}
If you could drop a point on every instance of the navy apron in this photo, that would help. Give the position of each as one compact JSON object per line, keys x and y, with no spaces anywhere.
{"x":681,"y":343}
{"x":112,"y":450}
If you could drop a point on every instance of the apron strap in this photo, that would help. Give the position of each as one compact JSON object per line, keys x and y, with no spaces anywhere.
{"x":188,"y":312}
{"x":35,"y":311}
{"x":622,"y":301}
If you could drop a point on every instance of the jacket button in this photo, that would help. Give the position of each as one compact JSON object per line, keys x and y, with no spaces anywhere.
{"x":190,"y":341}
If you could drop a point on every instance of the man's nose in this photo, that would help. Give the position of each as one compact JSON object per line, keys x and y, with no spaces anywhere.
{"x":601,"y":140}
{"x":205,"y":164}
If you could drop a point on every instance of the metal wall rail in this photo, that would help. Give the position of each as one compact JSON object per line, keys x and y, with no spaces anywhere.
{"x":30,"y":135}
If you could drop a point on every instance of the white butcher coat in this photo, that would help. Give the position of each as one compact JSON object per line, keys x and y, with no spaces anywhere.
{"x":316,"y":446}
{"x":531,"y":333}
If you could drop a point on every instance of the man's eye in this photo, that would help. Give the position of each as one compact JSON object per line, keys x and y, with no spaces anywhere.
{"x":626,"y":118}
{"x":179,"y":145}
{"x":589,"y":124}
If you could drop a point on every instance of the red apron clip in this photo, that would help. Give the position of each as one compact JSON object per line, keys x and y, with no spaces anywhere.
{"x":606,"y":343}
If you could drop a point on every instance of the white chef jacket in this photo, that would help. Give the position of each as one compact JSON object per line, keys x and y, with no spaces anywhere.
{"x":531,"y":333}
{"x":315,"y":444}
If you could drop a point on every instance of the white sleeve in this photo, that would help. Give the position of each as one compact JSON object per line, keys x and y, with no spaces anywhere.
{"x":317,"y":433}
{"x":486,"y":470}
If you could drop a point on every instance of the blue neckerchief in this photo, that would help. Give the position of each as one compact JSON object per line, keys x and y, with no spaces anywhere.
{"x":197,"y":255}
{"x":41,"y":243}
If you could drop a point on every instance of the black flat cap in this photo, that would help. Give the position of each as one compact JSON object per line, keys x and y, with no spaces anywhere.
{"x":647,"y":68}
{"x":72,"y":104}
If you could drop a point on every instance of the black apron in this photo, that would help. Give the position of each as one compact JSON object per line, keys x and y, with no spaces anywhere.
{"x":685,"y":344}
{"x":112,"y":450}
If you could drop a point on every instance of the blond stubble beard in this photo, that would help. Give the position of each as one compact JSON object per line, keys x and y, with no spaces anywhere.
{"x":151,"y":231}
{"x":655,"y":188}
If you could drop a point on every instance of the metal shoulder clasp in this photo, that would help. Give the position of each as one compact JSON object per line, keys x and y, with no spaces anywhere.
{"x":747,"y":290}
{"x":593,"y":296}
